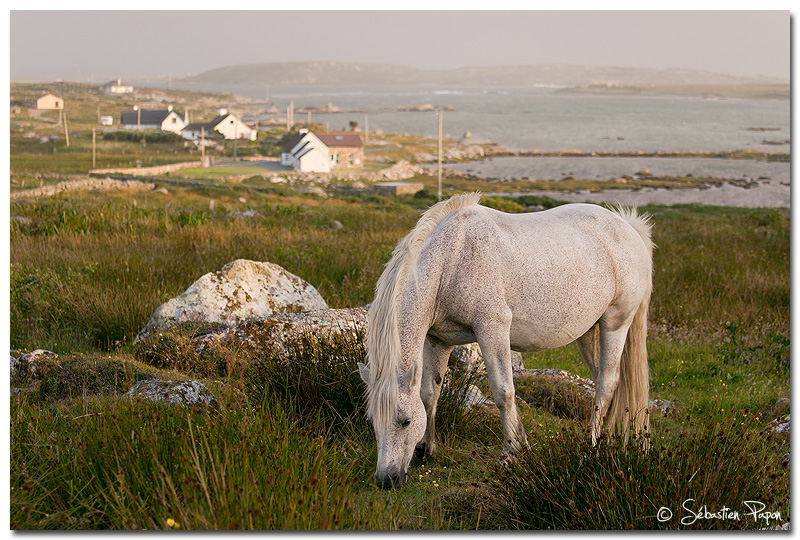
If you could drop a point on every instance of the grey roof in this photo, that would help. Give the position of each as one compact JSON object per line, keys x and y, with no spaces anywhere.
{"x":148,"y":117}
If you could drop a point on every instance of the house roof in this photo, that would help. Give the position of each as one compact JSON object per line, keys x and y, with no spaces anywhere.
{"x":333,"y":140}
{"x":293,"y":142}
{"x":217,"y":120}
{"x":148,"y":117}
{"x":196,"y":126}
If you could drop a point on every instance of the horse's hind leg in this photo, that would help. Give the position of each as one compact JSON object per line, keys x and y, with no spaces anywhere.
{"x":434,"y":364}
{"x":613,"y":327}
{"x":493,"y":338}
{"x":589,"y":347}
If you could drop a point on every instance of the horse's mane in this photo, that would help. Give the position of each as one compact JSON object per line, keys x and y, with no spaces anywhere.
{"x":383,"y":334}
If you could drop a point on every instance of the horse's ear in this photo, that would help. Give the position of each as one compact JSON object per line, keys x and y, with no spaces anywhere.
{"x":363,"y":370}
{"x":408,"y":377}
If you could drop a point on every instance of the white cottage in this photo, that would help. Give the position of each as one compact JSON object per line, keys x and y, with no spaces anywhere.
{"x":307,"y":153}
{"x":49,"y":102}
{"x":226,"y":124}
{"x":165,"y":120}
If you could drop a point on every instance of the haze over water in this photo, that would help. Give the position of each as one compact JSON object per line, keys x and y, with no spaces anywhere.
{"x":538,"y":118}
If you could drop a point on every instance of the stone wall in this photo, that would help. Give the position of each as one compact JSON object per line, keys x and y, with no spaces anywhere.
{"x":158,"y":169}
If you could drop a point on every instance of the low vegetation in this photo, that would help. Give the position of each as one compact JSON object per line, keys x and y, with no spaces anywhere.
{"x":289,"y":447}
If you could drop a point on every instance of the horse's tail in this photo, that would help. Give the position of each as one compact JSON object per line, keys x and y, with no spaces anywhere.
{"x":629,"y":407}
{"x":383,"y":334}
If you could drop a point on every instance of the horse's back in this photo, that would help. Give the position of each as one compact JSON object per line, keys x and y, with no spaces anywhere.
{"x":557,"y":271}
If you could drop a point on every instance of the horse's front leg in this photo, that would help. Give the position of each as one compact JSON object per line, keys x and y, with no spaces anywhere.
{"x":435,"y":355}
{"x":493,"y":338}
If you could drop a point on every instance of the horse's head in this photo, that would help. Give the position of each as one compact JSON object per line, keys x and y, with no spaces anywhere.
{"x":399,"y":425}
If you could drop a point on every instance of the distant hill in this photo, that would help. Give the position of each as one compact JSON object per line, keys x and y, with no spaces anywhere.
{"x":346,"y":73}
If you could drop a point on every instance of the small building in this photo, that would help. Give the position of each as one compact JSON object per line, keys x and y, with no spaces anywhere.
{"x":116,"y":87}
{"x":165,"y":120}
{"x":346,"y":149}
{"x":226,"y":124}
{"x":308,"y":152}
{"x":305,"y":152}
{"x":49,"y":102}
{"x":106,"y":120}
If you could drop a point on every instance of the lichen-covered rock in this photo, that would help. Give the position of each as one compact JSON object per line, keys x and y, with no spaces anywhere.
{"x":474,"y":398}
{"x":241,"y":290}
{"x":270,"y":334}
{"x":33,"y":364}
{"x":183,"y":393}
{"x":585,"y":388}
{"x":780,"y":424}
{"x":469,"y":358}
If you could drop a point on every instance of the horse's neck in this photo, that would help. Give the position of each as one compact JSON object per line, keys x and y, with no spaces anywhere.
{"x":415,"y":316}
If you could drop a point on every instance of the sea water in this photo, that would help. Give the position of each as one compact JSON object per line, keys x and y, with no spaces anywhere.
{"x":541,"y":118}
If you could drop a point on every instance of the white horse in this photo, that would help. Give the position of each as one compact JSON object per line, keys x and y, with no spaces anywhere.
{"x":526,"y":282}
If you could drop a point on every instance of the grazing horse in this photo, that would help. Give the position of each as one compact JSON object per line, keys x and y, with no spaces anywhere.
{"x":524,"y":282}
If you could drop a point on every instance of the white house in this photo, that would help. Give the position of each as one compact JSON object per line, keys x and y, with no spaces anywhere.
{"x":307,"y":153}
{"x":165,"y":120}
{"x":116,"y":87}
{"x":226,"y":124}
{"x":49,"y":102}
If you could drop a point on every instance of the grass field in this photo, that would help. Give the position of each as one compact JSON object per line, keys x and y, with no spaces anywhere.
{"x":90,"y":269}
{"x":288,"y":445}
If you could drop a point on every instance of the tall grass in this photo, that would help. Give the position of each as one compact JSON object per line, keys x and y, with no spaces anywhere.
{"x":711,"y":462}
{"x":119,"y":464}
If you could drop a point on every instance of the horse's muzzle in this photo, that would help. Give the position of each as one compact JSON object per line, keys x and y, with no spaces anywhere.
{"x":390,"y":481}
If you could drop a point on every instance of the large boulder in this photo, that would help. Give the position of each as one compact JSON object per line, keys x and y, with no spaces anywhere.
{"x":266,"y":335}
{"x":269,"y":334}
{"x":241,"y":290}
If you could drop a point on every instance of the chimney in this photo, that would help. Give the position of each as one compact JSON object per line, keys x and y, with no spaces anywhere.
{"x":223,"y":112}
{"x":169,"y":108}
{"x":186,"y":117}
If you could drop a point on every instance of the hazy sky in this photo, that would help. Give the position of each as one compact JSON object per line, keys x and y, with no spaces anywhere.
{"x":101,"y":45}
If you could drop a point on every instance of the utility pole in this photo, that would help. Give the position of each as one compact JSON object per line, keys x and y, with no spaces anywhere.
{"x":366,"y":127}
{"x":202,"y":143}
{"x":235,"y":136}
{"x":308,"y":122}
{"x":66,"y":131}
{"x":169,"y":84}
{"x":440,"y":155}
{"x":94,"y":151}
{"x":266,"y":96}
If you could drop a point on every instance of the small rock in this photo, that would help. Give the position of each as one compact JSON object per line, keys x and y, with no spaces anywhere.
{"x":183,"y":393}
{"x":474,"y":398}
{"x":469,"y":357}
{"x":245,"y":214}
{"x":34,"y":364}
{"x":21,"y":220}
{"x":161,"y":190}
{"x":780,"y":424}
{"x":337,"y":225}
{"x":242,"y":200}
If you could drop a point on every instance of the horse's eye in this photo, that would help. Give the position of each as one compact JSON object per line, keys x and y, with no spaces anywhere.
{"x":405,"y":423}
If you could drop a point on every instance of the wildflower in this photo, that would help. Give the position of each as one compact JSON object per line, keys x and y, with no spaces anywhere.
{"x":173,"y":524}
